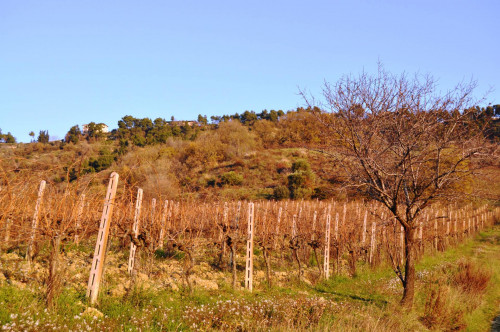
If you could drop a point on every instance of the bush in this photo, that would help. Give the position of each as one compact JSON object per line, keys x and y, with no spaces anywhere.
{"x":301,"y":165}
{"x":470,"y":278}
{"x":281,"y":192}
{"x":439,"y":314}
{"x":301,"y":193}
{"x":231,"y":178}
{"x":321,"y":193}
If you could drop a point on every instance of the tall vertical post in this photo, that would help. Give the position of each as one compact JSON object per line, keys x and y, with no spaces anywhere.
{"x":402,"y":243}
{"x":34,"y":223}
{"x":421,"y":235}
{"x":249,"y":256}
{"x":313,"y":235}
{"x":278,"y":221}
{"x":163,"y":224}
{"x":294,"y":226}
{"x":8,"y":224}
{"x":135,"y":230}
{"x":79,"y":215}
{"x":436,"y":230}
{"x":326,"y":262}
{"x":102,"y":240}
{"x":337,"y":244}
{"x":363,"y":234}
{"x":372,"y":242}
{"x":448,"y":224}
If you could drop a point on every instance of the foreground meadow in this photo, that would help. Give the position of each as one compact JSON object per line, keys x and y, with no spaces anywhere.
{"x":456,"y":289}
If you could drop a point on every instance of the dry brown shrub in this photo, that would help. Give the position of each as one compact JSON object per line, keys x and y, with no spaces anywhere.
{"x":470,"y":278}
{"x":439,"y":312}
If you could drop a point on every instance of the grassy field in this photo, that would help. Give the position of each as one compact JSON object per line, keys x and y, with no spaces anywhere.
{"x":458,"y":289}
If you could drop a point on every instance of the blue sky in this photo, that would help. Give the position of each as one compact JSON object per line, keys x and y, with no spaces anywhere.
{"x":71,"y":62}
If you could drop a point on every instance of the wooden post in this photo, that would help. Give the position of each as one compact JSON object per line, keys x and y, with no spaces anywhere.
{"x":34,"y":224}
{"x":436,"y":230}
{"x":79,"y":215}
{"x":326,"y":263}
{"x":236,"y":220}
{"x":163,"y":224}
{"x":294,"y":226}
{"x":402,"y":244}
{"x":448,"y":222}
{"x":337,"y":244}
{"x":102,"y":240}
{"x":278,"y":221}
{"x":8,"y":224}
{"x":363,"y":234}
{"x":421,"y":235}
{"x":249,"y":256}
{"x":135,"y":229}
{"x":454,"y":226}
{"x":372,"y":242}
{"x":313,"y":235}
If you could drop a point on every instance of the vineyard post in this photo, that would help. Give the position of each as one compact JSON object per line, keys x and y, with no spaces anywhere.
{"x":79,"y":215}
{"x":294,"y":226}
{"x":372,"y":241}
{"x":455,"y":227}
{"x":163,"y":222}
{"x":234,"y":232}
{"x":337,"y":245}
{"x":363,"y":234}
{"x":8,"y":224}
{"x":447,"y":236}
{"x":249,"y":255}
{"x":34,"y":225}
{"x":135,"y":230}
{"x":464,"y":216}
{"x":102,"y":240}
{"x":313,"y":236}
{"x":402,"y":243}
{"x":436,"y":231}
{"x":152,"y":225}
{"x":326,"y":263}
{"x":277,"y":227}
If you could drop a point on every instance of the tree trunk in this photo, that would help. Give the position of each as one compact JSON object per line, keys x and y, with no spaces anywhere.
{"x":409,"y":277}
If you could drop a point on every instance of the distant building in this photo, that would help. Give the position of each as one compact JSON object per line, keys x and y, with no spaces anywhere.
{"x":182,"y":123}
{"x":85,"y":128}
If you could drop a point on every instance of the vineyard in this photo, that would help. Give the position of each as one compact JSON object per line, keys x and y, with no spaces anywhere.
{"x":245,"y":244}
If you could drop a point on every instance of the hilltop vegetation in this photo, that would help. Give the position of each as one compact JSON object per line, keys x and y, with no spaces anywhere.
{"x":266,"y":155}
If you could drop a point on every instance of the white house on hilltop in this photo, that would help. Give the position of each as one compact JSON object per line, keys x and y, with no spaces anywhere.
{"x":104,"y":128}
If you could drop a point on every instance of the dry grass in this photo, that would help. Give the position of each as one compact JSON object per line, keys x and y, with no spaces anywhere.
{"x":470,"y":278}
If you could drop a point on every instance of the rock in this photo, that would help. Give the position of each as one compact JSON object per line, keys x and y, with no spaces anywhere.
{"x":118,"y":291}
{"x":18,"y":284}
{"x":92,"y":312}
{"x":10,"y":256}
{"x":207,"y":284}
{"x":171,"y":284}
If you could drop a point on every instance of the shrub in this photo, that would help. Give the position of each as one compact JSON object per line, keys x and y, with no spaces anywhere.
{"x":231,"y":178}
{"x":301,"y":165}
{"x":282,"y":166}
{"x":470,"y":278}
{"x":281,"y":192}
{"x":321,"y":193}
{"x":439,"y":314}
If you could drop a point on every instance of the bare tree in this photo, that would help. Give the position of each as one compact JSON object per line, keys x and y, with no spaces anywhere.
{"x":402,"y":143}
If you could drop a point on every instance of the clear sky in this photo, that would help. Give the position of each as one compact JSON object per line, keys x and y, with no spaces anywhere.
{"x":72,"y":62}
